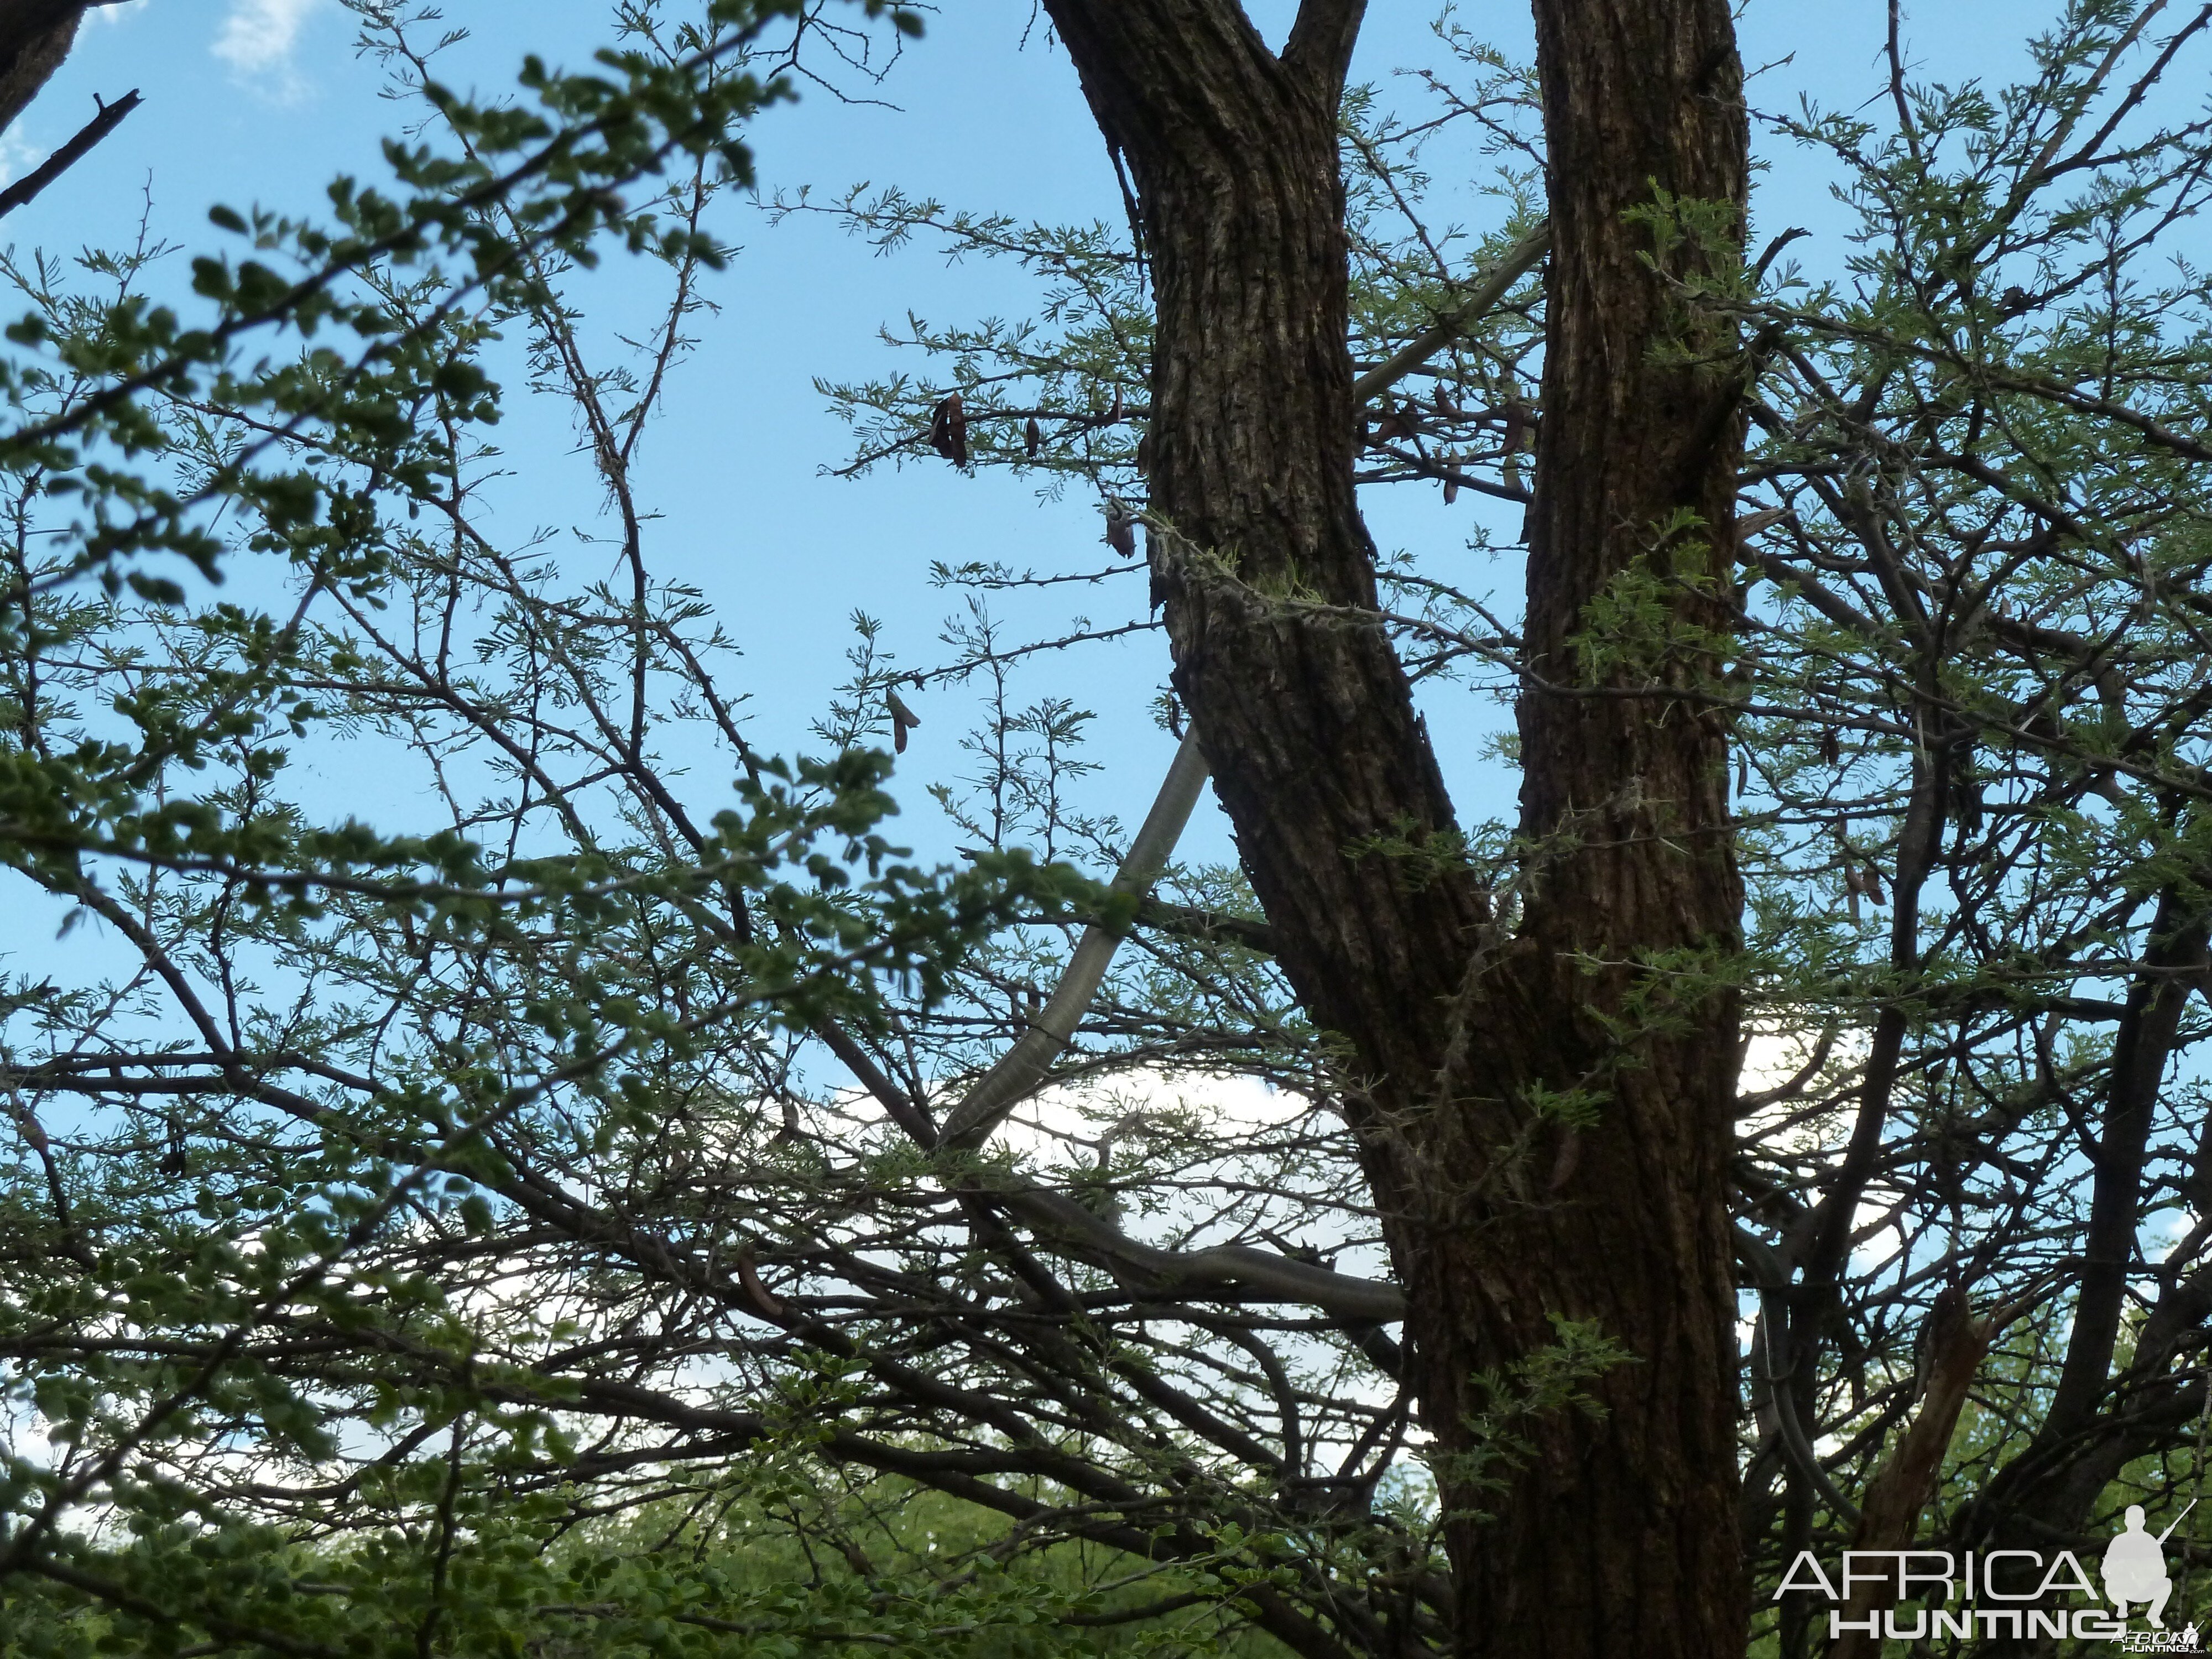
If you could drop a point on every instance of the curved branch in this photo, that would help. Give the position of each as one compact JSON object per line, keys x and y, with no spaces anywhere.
{"x":1260,"y":1274}
{"x":1023,"y":1068}
{"x":1449,"y":325}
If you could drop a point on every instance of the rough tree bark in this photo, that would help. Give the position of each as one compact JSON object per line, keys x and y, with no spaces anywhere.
{"x":35,"y":36}
{"x":1580,"y":1529}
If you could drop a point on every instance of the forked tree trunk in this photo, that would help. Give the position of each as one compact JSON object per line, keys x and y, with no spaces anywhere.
{"x":1606,"y":1526}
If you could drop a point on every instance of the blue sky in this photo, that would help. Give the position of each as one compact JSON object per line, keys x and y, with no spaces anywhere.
{"x":262,"y":101}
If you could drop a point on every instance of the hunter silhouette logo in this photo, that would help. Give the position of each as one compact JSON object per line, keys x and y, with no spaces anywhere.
{"x":2013,"y":1594}
{"x":2134,"y":1566}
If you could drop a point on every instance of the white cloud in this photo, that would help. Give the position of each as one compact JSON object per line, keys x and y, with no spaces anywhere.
{"x":18,"y":155}
{"x":258,"y":36}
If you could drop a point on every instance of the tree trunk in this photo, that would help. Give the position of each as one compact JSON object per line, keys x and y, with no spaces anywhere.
{"x":1621,"y":1533}
{"x":1570,"y":1288}
{"x":35,"y":36}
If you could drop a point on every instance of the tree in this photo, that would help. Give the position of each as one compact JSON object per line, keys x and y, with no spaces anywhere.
{"x":599,"y":1166}
{"x":1479,"y":1059}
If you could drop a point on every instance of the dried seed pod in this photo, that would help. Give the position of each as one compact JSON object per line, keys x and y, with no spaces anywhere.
{"x":959,"y":456}
{"x":1032,"y":438}
{"x":1121,"y":529}
{"x":2146,"y":572}
{"x":764,"y":1305}
{"x":1114,"y":414}
{"x":1518,"y":417}
{"x":1967,"y":805}
{"x":904,"y":720}
{"x":948,"y":429}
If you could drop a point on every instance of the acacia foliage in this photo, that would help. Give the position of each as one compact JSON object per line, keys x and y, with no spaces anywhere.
{"x":459,"y":1240}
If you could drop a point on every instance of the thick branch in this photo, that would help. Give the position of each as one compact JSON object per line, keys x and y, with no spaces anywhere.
{"x":1459,"y":319}
{"x":1020,"y":1072}
{"x":110,"y":117}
